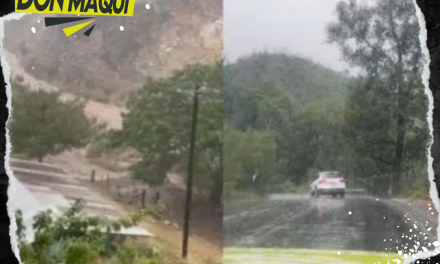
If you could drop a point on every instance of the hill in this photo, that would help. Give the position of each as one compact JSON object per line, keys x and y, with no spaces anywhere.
{"x":111,"y":63}
{"x":280,"y":75}
{"x":284,"y":117}
{"x":303,"y":78}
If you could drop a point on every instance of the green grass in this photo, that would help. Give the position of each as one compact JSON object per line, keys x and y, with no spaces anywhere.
{"x":299,"y":256}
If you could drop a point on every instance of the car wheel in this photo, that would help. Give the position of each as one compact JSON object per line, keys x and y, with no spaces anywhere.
{"x":316,"y":193}
{"x":342,"y":195}
{"x":334,"y":195}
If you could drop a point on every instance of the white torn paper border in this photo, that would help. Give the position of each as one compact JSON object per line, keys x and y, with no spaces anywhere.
{"x":11,"y":187}
{"x":425,"y":78}
{"x":423,"y":37}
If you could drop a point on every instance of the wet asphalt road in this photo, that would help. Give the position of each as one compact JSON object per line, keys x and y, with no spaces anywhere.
{"x":285,"y":221}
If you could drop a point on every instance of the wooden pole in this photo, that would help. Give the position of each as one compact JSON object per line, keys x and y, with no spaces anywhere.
{"x":92,"y":179}
{"x":189,"y":183}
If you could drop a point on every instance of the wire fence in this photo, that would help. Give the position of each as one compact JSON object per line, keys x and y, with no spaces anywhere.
{"x":123,"y":188}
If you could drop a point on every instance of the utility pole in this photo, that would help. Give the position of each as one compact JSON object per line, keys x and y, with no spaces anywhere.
{"x":189,"y":182}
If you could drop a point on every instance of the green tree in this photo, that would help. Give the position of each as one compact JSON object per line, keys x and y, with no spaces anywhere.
{"x":382,"y":40}
{"x":74,"y":238}
{"x":158,"y":126}
{"x":249,"y":161}
{"x":371,"y":131}
{"x":44,"y":125}
{"x":288,"y":96}
{"x":325,"y":119}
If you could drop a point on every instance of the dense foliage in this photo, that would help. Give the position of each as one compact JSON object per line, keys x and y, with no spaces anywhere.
{"x":281,"y":127}
{"x":74,"y":238}
{"x":250,"y":160}
{"x":42,"y":124}
{"x":279,"y":132}
{"x":383,"y":41}
{"x":281,"y":75}
{"x":158,"y":125}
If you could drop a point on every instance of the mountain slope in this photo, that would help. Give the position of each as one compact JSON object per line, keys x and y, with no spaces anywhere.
{"x":111,"y":63}
{"x":303,"y":78}
{"x":275,"y":75}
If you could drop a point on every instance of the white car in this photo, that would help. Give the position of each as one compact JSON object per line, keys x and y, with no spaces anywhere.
{"x":330,"y":183}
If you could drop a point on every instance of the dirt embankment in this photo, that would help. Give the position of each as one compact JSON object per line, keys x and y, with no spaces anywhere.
{"x":108,"y":114}
{"x":111,"y":64}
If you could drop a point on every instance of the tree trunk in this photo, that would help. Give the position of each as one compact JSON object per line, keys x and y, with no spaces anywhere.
{"x":92,"y":176}
{"x":397,"y":170}
{"x":216,"y":192}
{"x":400,"y":134}
{"x":398,"y":155}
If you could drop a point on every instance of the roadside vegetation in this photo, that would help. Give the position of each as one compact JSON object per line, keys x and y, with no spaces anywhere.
{"x":158,"y":123}
{"x":288,"y":118}
{"x":74,"y":238}
{"x":43,"y":124}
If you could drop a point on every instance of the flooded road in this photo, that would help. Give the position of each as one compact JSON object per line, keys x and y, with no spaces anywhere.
{"x":353,"y":223}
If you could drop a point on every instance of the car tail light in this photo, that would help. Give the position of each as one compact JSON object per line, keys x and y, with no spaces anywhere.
{"x":322,"y":181}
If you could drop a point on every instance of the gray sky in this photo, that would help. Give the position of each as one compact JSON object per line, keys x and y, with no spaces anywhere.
{"x":292,"y":26}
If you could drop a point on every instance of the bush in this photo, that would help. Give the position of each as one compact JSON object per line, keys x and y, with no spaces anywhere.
{"x":288,"y":187}
{"x":80,"y":252}
{"x":77,"y":239}
{"x":132,"y":252}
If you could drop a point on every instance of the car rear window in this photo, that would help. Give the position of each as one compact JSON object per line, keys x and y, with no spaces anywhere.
{"x":331,"y":175}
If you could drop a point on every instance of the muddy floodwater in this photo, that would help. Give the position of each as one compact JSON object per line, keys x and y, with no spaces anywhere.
{"x":353,"y":223}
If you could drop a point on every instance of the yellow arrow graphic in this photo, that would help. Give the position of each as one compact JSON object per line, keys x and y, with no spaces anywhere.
{"x":70,"y":30}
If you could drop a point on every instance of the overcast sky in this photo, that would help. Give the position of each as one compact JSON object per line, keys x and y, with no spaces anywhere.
{"x":292,"y":26}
